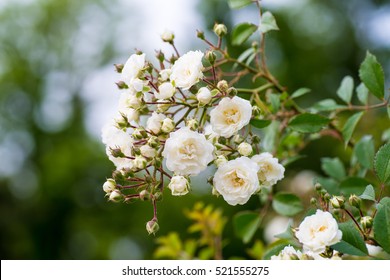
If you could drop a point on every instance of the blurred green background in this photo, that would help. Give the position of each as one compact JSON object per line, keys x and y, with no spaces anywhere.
{"x":57,"y":89}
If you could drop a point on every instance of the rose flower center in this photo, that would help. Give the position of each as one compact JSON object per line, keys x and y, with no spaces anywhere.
{"x":232,"y":116}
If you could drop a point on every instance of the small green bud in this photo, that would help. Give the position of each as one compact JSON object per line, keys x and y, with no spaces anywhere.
{"x":366,"y":222}
{"x":355,"y":201}
{"x":245,"y":149}
{"x":157,"y":162}
{"x":152,"y":226}
{"x":116,"y":152}
{"x":157,"y":196}
{"x":255,"y":139}
{"x":313,"y":201}
{"x":327,"y":197}
{"x":211,"y":57}
{"x":337,"y":202}
{"x":220,"y":29}
{"x":232,"y":91}
{"x":144,"y":195}
{"x":318,"y":187}
{"x":115,"y":196}
{"x":220,"y":160}
{"x":237,"y":139}
{"x":223,"y":85}
{"x":173,"y":59}
{"x":121,"y":85}
{"x":127,"y":173}
{"x":168,"y":125}
{"x":256,"y":111}
{"x":140,"y":162}
{"x":200,"y":34}
{"x":168,"y":37}
{"x":153,"y":142}
{"x":192,"y":124}
{"x":119,"y":67}
{"x":222,"y":140}
{"x":117,"y":175}
{"x":255,"y":45}
{"x":160,"y":56}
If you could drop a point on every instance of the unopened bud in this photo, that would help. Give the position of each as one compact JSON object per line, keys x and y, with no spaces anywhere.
{"x":140,"y":162}
{"x":313,"y":201}
{"x":167,"y":125}
{"x":215,"y":192}
{"x":256,"y":111}
{"x":245,"y":149}
{"x":318,"y":187}
{"x":255,"y":139}
{"x":115,"y":196}
{"x":116,"y":152}
{"x":232,"y":91}
{"x":255,"y":45}
{"x":220,"y":160}
{"x":122,"y":121}
{"x":355,"y":201}
{"x":366,"y":222}
{"x":337,"y":202}
{"x":200,"y":34}
{"x":144,"y":195}
{"x":211,"y":57}
{"x":152,"y":226}
{"x":168,"y":36}
{"x":204,"y":96}
{"x":220,"y":29}
{"x":127,"y":173}
{"x":148,"y":151}
{"x":173,"y":59}
{"x":117,"y":175}
{"x":157,"y":162}
{"x":109,"y":186}
{"x":160,"y":55}
{"x":326,"y":196}
{"x":138,"y":133}
{"x":222,"y":140}
{"x":153,"y":142}
{"x":119,"y":67}
{"x":223,"y":85}
{"x":157,"y":196}
{"x":192,"y":124}
{"x":121,"y":85}
{"x":237,"y":139}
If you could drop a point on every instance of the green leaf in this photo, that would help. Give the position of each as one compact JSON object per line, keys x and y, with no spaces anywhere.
{"x":349,"y":127}
{"x":386,"y":135}
{"x":267,"y":23}
{"x":326,"y":105}
{"x":382,"y":163}
{"x":245,"y":225}
{"x":333,"y":167}
{"x":362,"y":93}
{"x":275,"y":101}
{"x":346,"y":89}
{"x":382,"y":224}
{"x":288,"y":233}
{"x":270,"y":134}
{"x":353,"y":185}
{"x":371,"y":74}
{"x":287,"y":204}
{"x":300,"y":92}
{"x":260,"y":123}
{"x":308,"y":123}
{"x":244,"y":56}
{"x":352,"y":242}
{"x":237,"y":4}
{"x":242,"y":32}
{"x":364,"y":151}
{"x":368,"y":194}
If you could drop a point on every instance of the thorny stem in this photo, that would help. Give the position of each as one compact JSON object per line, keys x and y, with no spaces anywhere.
{"x":356,"y":223}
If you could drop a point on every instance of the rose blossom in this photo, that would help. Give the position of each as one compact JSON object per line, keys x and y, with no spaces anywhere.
{"x":204,"y":95}
{"x":115,"y":139}
{"x":133,"y":67}
{"x":179,"y":185}
{"x":318,"y":231}
{"x":187,"y":152}
{"x":165,"y":90}
{"x":237,"y":180}
{"x":154,"y":122}
{"x":270,"y":170}
{"x":230,"y":116}
{"x":288,"y":253}
{"x":187,"y":70}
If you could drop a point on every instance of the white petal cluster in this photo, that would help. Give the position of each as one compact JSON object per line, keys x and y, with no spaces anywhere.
{"x":132,"y":68}
{"x":237,"y":180}
{"x":204,"y":95}
{"x":230,"y":116}
{"x":187,"y":70}
{"x":288,"y":253}
{"x":165,"y":90}
{"x":318,"y":231}
{"x":154,"y":122}
{"x":115,"y":138}
{"x":179,"y":185}
{"x":187,"y":152}
{"x":270,"y":170}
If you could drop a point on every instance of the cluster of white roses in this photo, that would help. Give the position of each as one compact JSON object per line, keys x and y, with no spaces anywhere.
{"x":316,"y":233}
{"x":173,"y":122}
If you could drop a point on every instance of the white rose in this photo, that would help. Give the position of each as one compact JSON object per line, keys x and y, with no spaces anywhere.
{"x":137,"y":85}
{"x":288,"y":253}
{"x":237,"y":180}
{"x":230,"y":116}
{"x":179,"y":185}
{"x":154,"y":122}
{"x":187,"y":152}
{"x":148,"y":151}
{"x":129,"y":99}
{"x":167,"y":36}
{"x":204,"y":95}
{"x":187,"y":70}
{"x":133,"y":67}
{"x":245,"y":149}
{"x":164,"y":74}
{"x":115,"y":138}
{"x":318,"y":231}
{"x":270,"y":170}
{"x":165,"y":90}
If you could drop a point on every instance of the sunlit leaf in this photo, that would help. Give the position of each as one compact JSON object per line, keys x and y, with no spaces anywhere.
{"x":346,"y":89}
{"x":352,"y":242}
{"x":382,"y":163}
{"x":371,"y":73}
{"x":268,"y":23}
{"x":350,"y":126}
{"x":287,"y":204}
{"x":237,"y":4}
{"x":308,"y":123}
{"x":242,"y":32}
{"x":245,"y":225}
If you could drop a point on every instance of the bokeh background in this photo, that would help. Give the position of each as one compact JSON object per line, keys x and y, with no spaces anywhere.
{"x":57,"y":90}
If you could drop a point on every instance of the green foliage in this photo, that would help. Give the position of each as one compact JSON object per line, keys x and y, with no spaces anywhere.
{"x":260,"y":123}
{"x":353,"y":185}
{"x":382,"y":163}
{"x":371,"y":74}
{"x":267,"y":23}
{"x":346,"y":89}
{"x":350,"y":126}
{"x":287,"y":204}
{"x":368,"y":194}
{"x":245,"y":225}
{"x":334,"y":168}
{"x":362,"y":93}
{"x":364,"y":151}
{"x":236,"y":4}
{"x":352,"y":242}
{"x":300,"y":92}
{"x":242,"y":32}
{"x":382,"y":224}
{"x":308,"y":123}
